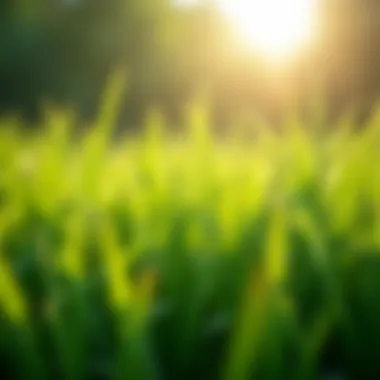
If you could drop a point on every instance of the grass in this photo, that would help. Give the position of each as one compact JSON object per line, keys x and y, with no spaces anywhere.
{"x":150,"y":258}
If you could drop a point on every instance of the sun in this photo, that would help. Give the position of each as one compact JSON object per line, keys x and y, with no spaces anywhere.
{"x":275,"y":27}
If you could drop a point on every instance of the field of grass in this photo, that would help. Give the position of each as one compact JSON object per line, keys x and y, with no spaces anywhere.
{"x":157,"y":258}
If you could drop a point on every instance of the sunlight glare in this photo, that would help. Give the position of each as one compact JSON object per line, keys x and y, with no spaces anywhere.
{"x":275,"y":27}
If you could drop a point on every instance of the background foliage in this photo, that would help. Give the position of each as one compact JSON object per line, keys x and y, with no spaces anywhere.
{"x":63,"y":50}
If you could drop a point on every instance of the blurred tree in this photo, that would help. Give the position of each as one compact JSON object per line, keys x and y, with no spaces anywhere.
{"x":63,"y":50}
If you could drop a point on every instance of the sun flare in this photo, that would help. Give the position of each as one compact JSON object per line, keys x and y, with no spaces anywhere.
{"x":275,"y":27}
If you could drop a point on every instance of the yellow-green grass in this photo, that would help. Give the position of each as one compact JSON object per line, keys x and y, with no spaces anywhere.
{"x":156,"y":258}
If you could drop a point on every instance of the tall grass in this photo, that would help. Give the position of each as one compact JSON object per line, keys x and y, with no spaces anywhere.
{"x":151,"y":258}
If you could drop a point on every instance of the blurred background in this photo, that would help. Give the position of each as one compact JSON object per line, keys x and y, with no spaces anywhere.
{"x":193,"y":257}
{"x":61,"y":52}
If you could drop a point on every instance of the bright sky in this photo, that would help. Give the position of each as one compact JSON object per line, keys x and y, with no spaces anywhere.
{"x":275,"y":27}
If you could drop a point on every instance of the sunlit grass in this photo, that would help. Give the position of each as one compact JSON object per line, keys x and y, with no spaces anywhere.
{"x":154,"y":258}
